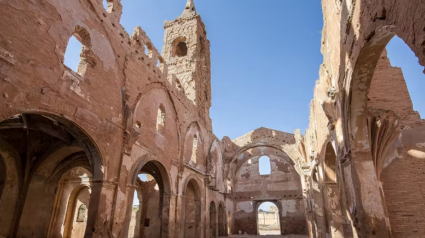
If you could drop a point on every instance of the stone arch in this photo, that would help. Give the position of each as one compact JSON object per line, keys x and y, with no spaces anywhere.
{"x":149,"y":165}
{"x":157,"y":85}
{"x":371,"y":131}
{"x":71,"y":209}
{"x":86,"y":140}
{"x":279,"y":207}
{"x":200,"y":140}
{"x":36,"y":180}
{"x":361,"y":78}
{"x":285,"y":151}
{"x":179,"y":47}
{"x":135,"y":124}
{"x":192,"y":225}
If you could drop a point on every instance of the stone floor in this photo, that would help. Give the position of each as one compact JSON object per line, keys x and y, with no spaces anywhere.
{"x":268,"y":236}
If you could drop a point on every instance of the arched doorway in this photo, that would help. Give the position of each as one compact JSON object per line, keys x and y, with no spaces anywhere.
{"x":268,"y":219}
{"x":213,"y":220}
{"x":148,"y":210}
{"x":192,"y":210}
{"x":221,"y":220}
{"x":76,"y":215}
{"x":38,"y":150}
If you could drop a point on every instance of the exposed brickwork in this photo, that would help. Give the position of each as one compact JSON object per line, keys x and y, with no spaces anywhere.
{"x":403,"y":182}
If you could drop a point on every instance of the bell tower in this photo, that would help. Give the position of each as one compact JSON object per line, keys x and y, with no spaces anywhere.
{"x":186,"y":52}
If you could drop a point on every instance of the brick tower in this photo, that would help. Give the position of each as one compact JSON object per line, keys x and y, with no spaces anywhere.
{"x":186,"y":51}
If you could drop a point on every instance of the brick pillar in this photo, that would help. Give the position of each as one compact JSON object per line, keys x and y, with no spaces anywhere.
{"x":367,"y":207}
{"x":99,"y":221}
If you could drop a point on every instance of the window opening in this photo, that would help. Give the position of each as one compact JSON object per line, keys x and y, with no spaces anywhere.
{"x":194,"y":148}
{"x":146,"y":50}
{"x":105,"y":5}
{"x":160,"y":121}
{"x":179,"y":47}
{"x":264,"y":165}
{"x":72,"y":53}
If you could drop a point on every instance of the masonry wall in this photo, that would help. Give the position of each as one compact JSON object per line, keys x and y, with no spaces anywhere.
{"x":282,"y":186}
{"x":388,"y":90}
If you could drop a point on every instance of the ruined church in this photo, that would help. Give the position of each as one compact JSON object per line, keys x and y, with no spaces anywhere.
{"x":123,"y":146}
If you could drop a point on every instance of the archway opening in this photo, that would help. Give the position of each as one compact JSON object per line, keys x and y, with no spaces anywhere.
{"x":192,"y":212}
{"x":213,"y":220}
{"x":384,"y":123}
{"x":75,"y":211}
{"x":268,"y":221}
{"x":46,"y":157}
{"x":395,"y":97}
{"x":150,"y":203}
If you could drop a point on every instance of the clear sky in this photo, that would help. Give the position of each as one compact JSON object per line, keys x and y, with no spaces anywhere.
{"x":265,"y":58}
{"x":266,"y":206}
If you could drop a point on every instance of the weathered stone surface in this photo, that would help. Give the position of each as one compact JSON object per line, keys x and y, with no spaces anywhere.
{"x":72,"y":144}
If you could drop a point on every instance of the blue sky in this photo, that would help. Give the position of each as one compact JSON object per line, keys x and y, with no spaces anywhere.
{"x":265,"y":58}
{"x":266,"y":206}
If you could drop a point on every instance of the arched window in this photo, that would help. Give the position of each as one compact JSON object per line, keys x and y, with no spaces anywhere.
{"x":179,"y":47}
{"x":264,"y":165}
{"x":194,"y":148}
{"x":330,"y":164}
{"x":77,"y":54}
{"x":160,"y":120}
{"x":72,"y":53}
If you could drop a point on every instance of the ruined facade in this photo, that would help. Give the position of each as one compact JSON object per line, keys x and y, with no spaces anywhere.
{"x":73,"y":144}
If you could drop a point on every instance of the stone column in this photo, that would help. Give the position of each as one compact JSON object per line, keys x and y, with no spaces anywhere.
{"x":180,"y":216}
{"x":128,"y":204}
{"x":366,"y":205}
{"x":172,"y":215}
{"x":99,"y":221}
{"x":332,"y":195}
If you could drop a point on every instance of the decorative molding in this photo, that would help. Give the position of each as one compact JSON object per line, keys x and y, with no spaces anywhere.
{"x":384,"y":127}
